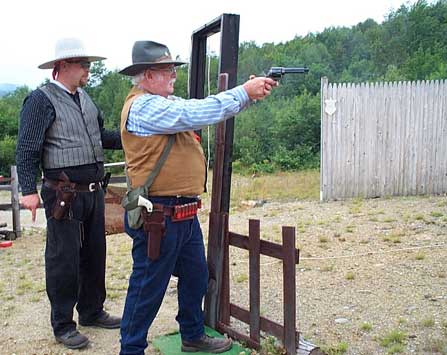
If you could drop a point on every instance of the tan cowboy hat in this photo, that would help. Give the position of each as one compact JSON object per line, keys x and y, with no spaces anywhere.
{"x":67,"y":48}
{"x":146,"y":54}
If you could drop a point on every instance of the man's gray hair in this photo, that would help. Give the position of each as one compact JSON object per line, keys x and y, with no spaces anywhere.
{"x":136,"y":79}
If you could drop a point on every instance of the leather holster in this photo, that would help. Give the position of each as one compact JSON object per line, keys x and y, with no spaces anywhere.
{"x":154,"y":226}
{"x":65,"y":193}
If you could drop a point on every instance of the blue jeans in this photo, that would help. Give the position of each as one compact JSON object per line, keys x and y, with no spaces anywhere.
{"x":182,"y":254}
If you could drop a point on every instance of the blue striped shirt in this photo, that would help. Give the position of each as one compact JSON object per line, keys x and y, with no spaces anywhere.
{"x":154,"y":114}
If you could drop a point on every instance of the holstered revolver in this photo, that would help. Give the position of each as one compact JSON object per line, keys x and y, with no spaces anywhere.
{"x":154,"y":226}
{"x":65,"y":193}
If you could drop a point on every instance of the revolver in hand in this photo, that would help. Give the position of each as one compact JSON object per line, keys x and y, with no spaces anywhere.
{"x":276,"y":73}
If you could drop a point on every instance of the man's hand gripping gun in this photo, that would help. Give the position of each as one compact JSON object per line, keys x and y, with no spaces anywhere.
{"x":276,"y":73}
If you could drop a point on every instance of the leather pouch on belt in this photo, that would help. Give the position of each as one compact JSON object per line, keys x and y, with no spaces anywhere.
{"x":154,"y":226}
{"x":65,"y":193}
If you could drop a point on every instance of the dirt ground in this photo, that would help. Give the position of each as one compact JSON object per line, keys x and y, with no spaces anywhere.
{"x":372,"y":278}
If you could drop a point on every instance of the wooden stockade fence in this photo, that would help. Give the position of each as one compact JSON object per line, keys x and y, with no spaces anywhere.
{"x":383,"y":139}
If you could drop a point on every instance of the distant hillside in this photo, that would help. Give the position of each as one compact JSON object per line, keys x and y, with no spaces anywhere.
{"x":7,"y":88}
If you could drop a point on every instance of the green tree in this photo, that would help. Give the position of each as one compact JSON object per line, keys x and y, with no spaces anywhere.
{"x":10,"y":106}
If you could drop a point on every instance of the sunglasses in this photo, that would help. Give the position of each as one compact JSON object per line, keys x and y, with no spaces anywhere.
{"x":83,"y":63}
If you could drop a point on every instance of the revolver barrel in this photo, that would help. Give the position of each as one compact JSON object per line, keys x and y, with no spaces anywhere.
{"x":277,"y":73}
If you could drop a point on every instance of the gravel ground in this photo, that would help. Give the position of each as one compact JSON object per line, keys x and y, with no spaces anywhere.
{"x":370,"y":271}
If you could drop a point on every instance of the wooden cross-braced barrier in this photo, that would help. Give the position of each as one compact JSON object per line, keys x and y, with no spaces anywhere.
{"x":256,"y":247}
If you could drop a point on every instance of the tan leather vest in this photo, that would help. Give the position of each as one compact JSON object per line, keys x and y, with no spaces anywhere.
{"x":183,"y":172}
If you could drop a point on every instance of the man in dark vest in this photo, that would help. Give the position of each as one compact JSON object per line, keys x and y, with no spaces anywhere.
{"x":62,"y":132}
{"x":152,"y":120}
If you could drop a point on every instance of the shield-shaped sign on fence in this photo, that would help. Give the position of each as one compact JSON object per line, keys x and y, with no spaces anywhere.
{"x":330,"y":107}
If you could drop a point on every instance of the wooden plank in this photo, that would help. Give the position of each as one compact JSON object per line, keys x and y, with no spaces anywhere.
{"x":433,"y":137}
{"x":215,"y":253}
{"x":358,"y":146}
{"x":323,"y":140}
{"x":436,"y":138}
{"x":223,"y":328}
{"x":254,"y":278}
{"x":225,"y":289}
{"x":369,"y":143}
{"x":15,"y":202}
{"x":443,"y":135}
{"x":267,"y":325}
{"x":267,"y":248}
{"x":289,"y":287}
{"x":411,"y":162}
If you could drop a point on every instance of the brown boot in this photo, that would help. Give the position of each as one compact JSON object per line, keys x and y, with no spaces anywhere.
{"x":207,"y":344}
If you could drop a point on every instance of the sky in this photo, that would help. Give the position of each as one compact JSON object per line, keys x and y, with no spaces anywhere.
{"x":30,"y":29}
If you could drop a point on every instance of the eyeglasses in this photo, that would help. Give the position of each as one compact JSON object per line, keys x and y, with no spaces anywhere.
{"x":171,"y":70}
{"x":83,"y":63}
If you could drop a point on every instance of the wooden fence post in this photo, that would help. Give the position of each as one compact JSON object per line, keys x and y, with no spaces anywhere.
{"x":15,"y":202}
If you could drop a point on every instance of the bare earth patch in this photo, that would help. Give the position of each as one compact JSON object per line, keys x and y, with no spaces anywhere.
{"x":372,"y":278}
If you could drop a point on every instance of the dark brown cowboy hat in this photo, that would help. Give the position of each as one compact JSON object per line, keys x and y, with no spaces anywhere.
{"x":146,"y":54}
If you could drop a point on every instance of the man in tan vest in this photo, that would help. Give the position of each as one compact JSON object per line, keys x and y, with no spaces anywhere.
{"x":149,"y":118}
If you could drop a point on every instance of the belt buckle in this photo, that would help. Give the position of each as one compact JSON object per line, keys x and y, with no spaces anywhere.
{"x":92,"y":186}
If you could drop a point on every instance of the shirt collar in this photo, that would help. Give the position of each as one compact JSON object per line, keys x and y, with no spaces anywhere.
{"x":62,"y":86}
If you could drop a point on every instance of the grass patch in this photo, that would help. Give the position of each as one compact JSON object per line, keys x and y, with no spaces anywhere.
{"x":271,"y":346}
{"x":35,"y":298}
{"x":396,"y":349}
{"x":355,"y":210}
{"x":349,"y":229}
{"x":25,"y":285}
{"x":327,"y":268}
{"x":366,"y":327}
{"x":394,"y":337}
{"x":114,"y":295}
{"x":428,"y":322}
{"x":323,"y":239}
{"x":436,"y":346}
{"x":302,"y":185}
{"x":350,"y":275}
{"x":420,"y":256}
{"x":391,"y":238}
{"x":338,"y":349}
{"x":241,"y":278}
{"x":436,"y":214}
